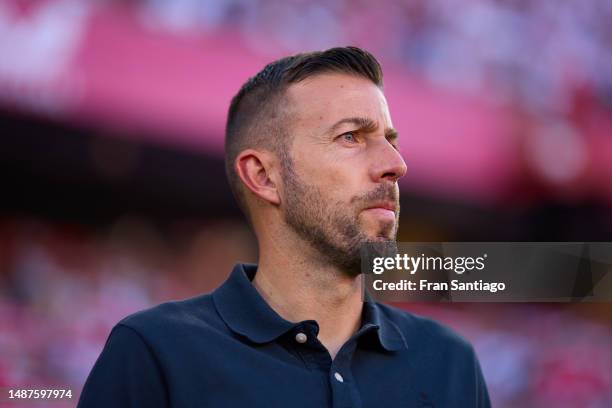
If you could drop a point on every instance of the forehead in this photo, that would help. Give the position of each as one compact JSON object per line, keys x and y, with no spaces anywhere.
{"x":323,"y":99}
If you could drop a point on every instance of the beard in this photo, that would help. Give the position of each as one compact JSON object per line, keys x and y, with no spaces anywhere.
{"x":332,"y":228}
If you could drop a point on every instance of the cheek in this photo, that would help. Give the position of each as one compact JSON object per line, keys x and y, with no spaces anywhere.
{"x":336,"y":181}
{"x":337,"y":173}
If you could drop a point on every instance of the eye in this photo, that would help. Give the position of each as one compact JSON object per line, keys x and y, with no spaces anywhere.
{"x":349,"y":137}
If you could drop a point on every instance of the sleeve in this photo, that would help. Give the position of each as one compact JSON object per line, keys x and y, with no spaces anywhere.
{"x":126,"y":375}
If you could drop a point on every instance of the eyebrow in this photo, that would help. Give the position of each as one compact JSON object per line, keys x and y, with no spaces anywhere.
{"x":365,"y":125}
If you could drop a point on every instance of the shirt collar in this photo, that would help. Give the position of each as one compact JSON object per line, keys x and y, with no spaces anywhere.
{"x":389,"y":335}
{"x":247,"y":313}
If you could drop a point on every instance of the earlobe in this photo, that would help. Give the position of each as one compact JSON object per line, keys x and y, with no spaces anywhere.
{"x":254,"y":167}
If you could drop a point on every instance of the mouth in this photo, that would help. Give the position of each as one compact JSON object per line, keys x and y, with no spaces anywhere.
{"x":383,"y":209}
{"x":385,"y":205}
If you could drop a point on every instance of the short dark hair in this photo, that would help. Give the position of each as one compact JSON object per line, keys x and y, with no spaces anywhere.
{"x":255,"y":117}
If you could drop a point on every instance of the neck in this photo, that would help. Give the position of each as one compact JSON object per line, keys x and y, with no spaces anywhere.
{"x":295,"y":282}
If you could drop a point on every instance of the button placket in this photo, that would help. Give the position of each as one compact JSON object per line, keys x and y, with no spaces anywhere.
{"x":345,"y":393}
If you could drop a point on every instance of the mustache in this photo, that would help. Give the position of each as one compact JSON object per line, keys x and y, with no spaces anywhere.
{"x":384,"y":192}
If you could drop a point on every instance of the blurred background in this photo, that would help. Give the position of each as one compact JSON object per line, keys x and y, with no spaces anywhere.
{"x":114,"y":196}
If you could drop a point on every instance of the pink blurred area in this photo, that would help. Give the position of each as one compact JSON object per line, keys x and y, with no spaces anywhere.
{"x":169,"y":78}
{"x":114,"y":196}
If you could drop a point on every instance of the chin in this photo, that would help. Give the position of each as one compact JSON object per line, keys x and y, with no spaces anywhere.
{"x":380,"y":232}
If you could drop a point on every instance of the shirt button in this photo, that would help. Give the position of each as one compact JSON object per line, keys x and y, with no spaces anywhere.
{"x":338,"y":377}
{"x":301,"y":338}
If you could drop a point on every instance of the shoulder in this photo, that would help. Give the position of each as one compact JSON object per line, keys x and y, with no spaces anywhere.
{"x":422,"y":332}
{"x":172,"y":316}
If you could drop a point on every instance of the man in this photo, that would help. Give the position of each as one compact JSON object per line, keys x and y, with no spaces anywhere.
{"x":312,"y":158}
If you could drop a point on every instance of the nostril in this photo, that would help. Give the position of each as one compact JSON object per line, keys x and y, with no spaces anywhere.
{"x":393,"y":175}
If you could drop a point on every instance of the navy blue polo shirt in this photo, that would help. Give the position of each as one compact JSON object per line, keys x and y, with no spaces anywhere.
{"x":231,"y":349}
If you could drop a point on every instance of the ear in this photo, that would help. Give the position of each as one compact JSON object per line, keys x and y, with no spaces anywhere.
{"x":255,"y":169}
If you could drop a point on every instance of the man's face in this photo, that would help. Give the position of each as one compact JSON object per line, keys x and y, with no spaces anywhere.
{"x":340,"y":179}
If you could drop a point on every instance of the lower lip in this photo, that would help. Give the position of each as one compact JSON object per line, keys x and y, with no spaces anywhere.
{"x":382,"y":213}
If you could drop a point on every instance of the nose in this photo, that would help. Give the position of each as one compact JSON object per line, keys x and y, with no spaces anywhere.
{"x":387,"y":163}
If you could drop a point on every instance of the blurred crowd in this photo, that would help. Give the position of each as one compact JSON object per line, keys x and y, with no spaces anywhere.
{"x":535,"y":53}
{"x":63,"y":287}
{"x":541,"y":55}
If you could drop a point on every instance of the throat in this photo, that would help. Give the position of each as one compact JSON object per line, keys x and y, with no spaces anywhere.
{"x":336,"y":306}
